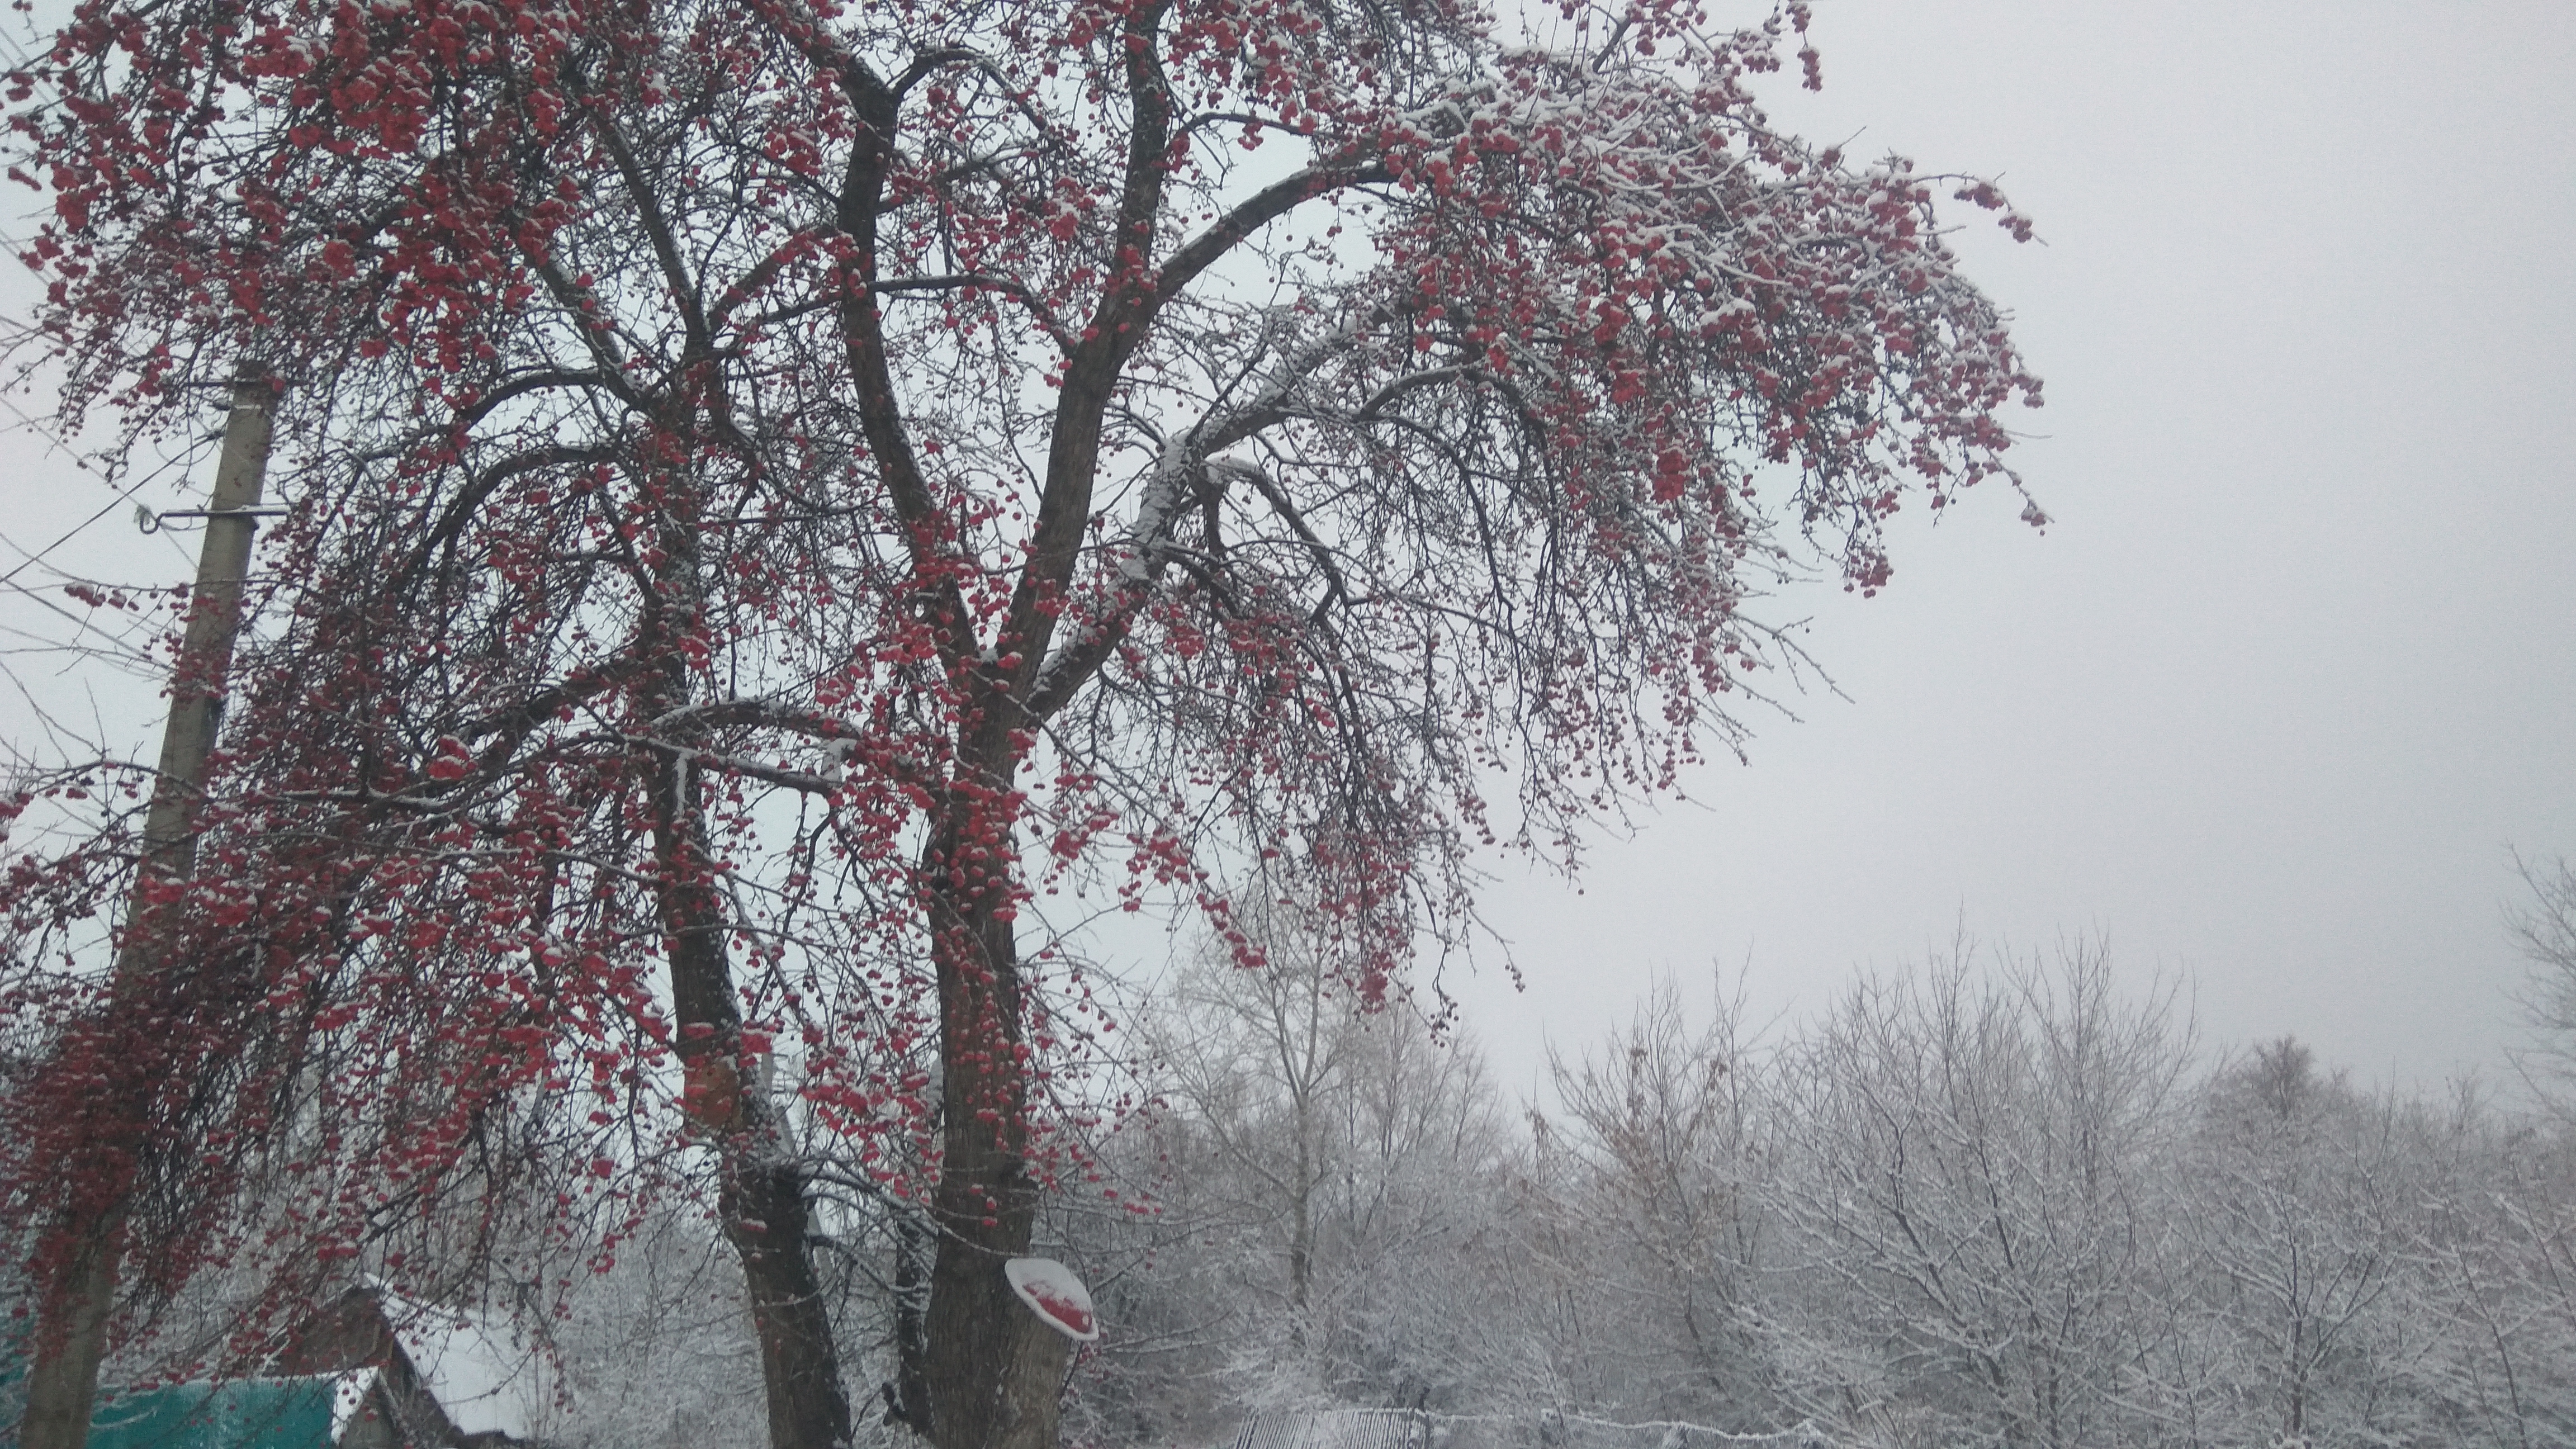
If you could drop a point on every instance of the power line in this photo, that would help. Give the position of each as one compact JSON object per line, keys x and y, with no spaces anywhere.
{"x":125,"y":645}
{"x":126,"y":495}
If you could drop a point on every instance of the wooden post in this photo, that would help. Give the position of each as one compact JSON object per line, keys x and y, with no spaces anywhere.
{"x":71,"y":1333}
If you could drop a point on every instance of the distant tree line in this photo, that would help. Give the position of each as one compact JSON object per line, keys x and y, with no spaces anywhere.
{"x":1998,"y":1200}
{"x":1993,"y":1202}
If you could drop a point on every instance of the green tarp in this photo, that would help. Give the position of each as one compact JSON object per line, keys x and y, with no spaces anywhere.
{"x":290,"y":1413}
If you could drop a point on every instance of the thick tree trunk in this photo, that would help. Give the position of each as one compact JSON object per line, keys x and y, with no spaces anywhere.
{"x":993,"y":1371}
{"x":996,"y":1370}
{"x":988,"y":1372}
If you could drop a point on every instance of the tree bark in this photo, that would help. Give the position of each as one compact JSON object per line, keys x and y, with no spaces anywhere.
{"x":908,"y":1397}
{"x":993,"y":1370}
{"x":765,"y":1218}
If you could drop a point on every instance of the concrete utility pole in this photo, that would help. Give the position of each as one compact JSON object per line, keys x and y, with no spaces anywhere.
{"x":71,"y":1325}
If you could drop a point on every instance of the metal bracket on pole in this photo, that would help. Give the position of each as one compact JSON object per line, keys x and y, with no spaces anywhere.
{"x":151,"y":522}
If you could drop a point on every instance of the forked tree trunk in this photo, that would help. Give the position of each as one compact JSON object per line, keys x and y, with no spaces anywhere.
{"x":989,"y":1372}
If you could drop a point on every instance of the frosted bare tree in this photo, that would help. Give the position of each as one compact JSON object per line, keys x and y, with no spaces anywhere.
{"x":1975,"y":1200}
{"x":2485,"y":1302}
{"x":1651,"y":1240}
{"x":2545,"y":928}
{"x":2298,"y":1225}
{"x":1345,"y":1179}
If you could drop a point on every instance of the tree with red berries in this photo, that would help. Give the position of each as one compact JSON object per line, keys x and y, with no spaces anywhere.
{"x":788,"y":500}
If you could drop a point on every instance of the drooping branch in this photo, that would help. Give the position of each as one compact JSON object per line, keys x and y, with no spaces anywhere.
{"x":678,"y":284}
{"x":480,"y":488}
{"x":1257,"y":211}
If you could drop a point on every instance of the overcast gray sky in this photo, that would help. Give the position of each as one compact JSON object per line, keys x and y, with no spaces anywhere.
{"x":2273,"y":701}
{"x":2295,"y":670}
